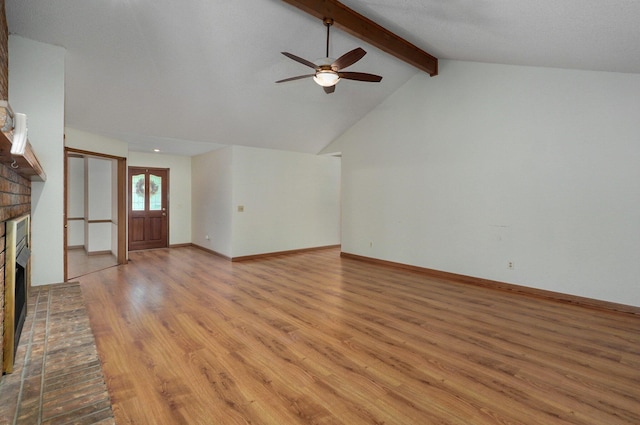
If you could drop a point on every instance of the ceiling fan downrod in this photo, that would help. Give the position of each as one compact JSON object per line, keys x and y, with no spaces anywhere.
{"x":328,"y":22}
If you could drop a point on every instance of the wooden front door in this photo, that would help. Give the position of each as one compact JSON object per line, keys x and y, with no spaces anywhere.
{"x":148,"y":208}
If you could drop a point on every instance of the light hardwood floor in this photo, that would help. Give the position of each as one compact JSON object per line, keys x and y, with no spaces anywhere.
{"x":189,"y":338}
{"x":80,"y":263}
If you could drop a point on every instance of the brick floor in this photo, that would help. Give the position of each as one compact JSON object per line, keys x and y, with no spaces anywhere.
{"x":57,"y":377}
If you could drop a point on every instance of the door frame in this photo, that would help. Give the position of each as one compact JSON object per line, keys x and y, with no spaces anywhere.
{"x":166,"y":200}
{"x":121,"y":198}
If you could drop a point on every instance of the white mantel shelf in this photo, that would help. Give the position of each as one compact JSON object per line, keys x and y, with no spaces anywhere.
{"x":26,"y":165}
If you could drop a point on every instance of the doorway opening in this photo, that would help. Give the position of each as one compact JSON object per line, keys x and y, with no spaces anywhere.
{"x":95,"y":212}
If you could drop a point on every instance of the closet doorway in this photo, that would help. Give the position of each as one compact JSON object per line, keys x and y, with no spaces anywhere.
{"x":94,"y":212}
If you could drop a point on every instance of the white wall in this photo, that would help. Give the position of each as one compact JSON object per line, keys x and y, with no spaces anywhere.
{"x":36,"y":88}
{"x":489,"y":164}
{"x":179,"y":190}
{"x":75,"y":234}
{"x":99,"y":238}
{"x":75,"y":198}
{"x":291,"y":201}
{"x":211,"y":192}
{"x":100,"y":190}
{"x":90,"y":142}
{"x":75,"y":169}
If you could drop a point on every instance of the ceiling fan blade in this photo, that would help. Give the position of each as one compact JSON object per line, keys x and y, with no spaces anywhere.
{"x":360,"y":76}
{"x":348,"y":59}
{"x":330,"y":89}
{"x":299,"y":77}
{"x":300,"y":60}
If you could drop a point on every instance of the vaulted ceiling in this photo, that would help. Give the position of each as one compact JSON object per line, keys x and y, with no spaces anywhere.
{"x":192,"y":75}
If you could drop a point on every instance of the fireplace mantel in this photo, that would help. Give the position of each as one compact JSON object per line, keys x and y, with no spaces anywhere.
{"x":27,"y":164}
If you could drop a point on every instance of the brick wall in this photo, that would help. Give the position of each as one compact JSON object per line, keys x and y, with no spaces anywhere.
{"x":15,"y":190}
{"x":2,"y":230}
{"x":4,"y":94}
{"x":4,"y":54}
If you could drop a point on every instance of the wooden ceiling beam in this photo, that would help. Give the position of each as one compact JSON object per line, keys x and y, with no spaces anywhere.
{"x":365,"y":29}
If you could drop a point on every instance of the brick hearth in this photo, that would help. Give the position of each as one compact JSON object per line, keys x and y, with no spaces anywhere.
{"x":58,"y":376}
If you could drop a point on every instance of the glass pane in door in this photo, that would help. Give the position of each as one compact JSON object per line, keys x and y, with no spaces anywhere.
{"x":155,"y":193}
{"x":138,"y":191}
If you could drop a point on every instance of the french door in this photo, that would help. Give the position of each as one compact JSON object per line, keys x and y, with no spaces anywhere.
{"x":148,"y":208}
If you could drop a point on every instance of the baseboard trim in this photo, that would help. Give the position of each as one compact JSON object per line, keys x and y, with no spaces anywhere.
{"x":262,"y":256}
{"x":279,"y":253}
{"x":506,"y":287}
{"x":99,"y":252}
{"x":181,"y":245}
{"x":210,"y":251}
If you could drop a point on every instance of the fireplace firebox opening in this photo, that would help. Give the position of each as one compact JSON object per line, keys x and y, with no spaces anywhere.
{"x":17,"y":281}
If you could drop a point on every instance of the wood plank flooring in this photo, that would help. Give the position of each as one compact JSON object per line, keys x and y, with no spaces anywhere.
{"x":80,"y":263}
{"x":189,"y":338}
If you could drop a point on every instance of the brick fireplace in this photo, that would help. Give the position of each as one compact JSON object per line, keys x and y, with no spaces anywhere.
{"x":15,"y":201}
{"x":16,"y":284}
{"x":15,"y":190}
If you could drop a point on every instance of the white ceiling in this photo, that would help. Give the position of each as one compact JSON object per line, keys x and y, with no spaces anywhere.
{"x":190,"y":76}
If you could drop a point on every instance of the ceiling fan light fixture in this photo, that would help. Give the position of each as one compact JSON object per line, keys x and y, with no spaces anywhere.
{"x":326,"y":78}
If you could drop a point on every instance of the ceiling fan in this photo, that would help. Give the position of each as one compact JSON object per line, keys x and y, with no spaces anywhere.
{"x":329,"y":73}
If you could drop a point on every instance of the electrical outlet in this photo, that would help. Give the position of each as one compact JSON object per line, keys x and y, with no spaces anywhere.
{"x":510,"y":265}
{"x":370,"y":244}
{"x":206,"y":237}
